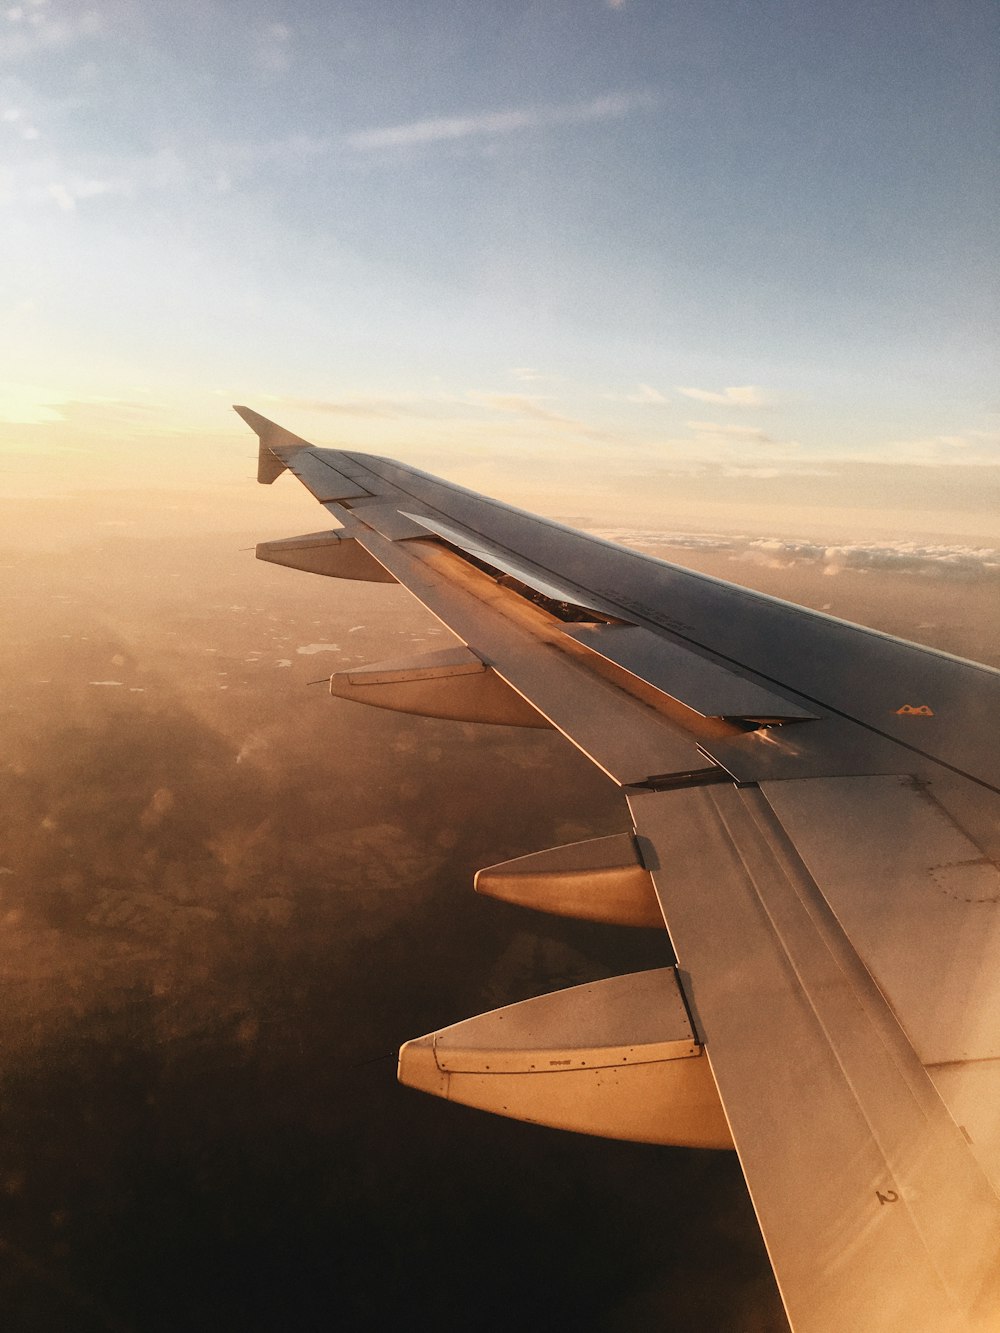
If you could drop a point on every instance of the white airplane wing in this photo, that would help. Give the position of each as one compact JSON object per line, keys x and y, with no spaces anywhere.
{"x":816,"y":810}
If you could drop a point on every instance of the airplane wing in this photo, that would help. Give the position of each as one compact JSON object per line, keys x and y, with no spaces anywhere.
{"x":816,"y":813}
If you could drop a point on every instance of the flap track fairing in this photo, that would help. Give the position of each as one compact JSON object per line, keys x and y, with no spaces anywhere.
{"x":616,"y":1058}
{"x":601,"y":879}
{"x":330,"y":553}
{"x":453,"y":683}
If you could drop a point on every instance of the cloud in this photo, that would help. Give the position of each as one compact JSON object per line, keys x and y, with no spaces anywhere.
{"x":65,"y":194}
{"x":959,"y":562}
{"x":16,"y":118}
{"x":523,"y":405}
{"x":464,"y":410}
{"x":769,"y":471}
{"x":30,"y":28}
{"x":426,"y":406}
{"x":753,"y":433}
{"x":532,"y":408}
{"x":646,"y":394}
{"x":49,"y":178}
{"x":442,"y":129}
{"x":273,"y":48}
{"x":719,"y":444}
{"x":936,"y":561}
{"x":349,"y":407}
{"x":973,"y":448}
{"x":52,"y":177}
{"x":744,"y":395}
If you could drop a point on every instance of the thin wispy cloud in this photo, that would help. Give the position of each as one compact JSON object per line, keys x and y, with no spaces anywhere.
{"x":523,"y":405}
{"x":529,"y":408}
{"x":715,"y":428}
{"x":384,"y":408}
{"x":646,"y":394}
{"x":491,"y":124}
{"x":742,"y":395}
{"x":974,"y":448}
{"x":212,"y":167}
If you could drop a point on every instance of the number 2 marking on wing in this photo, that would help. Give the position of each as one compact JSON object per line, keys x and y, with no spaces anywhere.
{"x":890,"y":1196}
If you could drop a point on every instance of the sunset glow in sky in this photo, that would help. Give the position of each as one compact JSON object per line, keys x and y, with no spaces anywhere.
{"x":704,"y":256}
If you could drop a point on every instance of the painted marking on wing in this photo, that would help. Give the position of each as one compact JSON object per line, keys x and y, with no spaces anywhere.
{"x":918,"y":710}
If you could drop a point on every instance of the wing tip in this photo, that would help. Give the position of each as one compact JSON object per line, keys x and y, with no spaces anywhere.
{"x":272,"y":438}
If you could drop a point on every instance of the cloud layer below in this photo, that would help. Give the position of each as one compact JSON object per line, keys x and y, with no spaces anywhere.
{"x":959,"y":562}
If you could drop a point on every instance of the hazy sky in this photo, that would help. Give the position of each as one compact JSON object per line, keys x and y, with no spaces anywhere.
{"x":665,"y":246}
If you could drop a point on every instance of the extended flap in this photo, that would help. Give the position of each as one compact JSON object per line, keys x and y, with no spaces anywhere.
{"x":496,"y":557}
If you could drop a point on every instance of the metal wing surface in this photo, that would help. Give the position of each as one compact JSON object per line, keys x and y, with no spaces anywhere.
{"x":816,"y":809}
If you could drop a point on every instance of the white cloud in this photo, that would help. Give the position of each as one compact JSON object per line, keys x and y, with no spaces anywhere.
{"x":935,"y":560}
{"x":31,"y":29}
{"x":441,"y":129}
{"x":62,"y":197}
{"x":66,"y":194}
{"x":274,"y":48}
{"x":742,"y":395}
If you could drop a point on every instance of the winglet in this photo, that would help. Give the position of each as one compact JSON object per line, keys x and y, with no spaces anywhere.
{"x":275,"y":441}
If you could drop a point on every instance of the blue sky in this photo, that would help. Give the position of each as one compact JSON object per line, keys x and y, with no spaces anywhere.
{"x":642,"y":239}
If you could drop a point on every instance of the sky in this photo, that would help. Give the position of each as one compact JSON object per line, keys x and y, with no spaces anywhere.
{"x":699,"y":263}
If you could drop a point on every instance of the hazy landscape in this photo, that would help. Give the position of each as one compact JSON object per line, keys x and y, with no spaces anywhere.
{"x":226,"y":899}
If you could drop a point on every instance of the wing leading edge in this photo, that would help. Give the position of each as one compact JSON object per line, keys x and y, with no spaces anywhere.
{"x":825,"y":863}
